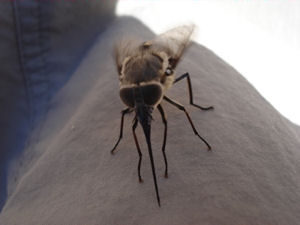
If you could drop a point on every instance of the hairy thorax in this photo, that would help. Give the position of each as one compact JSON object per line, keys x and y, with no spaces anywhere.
{"x":146,"y":67}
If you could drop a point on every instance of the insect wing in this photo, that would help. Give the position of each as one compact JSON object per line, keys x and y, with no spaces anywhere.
{"x":174,"y":42}
{"x":123,"y":49}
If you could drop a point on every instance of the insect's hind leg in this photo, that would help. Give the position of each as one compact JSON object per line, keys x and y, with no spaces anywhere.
{"x":181,"y":107}
{"x":164,"y":119}
{"x":134,"y":125}
{"x":187,"y":76}
{"x":123,"y":112}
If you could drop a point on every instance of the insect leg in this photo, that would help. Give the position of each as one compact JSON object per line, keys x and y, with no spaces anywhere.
{"x":135,"y":123}
{"x":162,"y":113}
{"x":181,"y":107}
{"x":187,"y":76}
{"x":123,"y":112}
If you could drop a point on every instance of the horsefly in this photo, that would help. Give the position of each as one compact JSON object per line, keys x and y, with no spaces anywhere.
{"x":146,"y":72}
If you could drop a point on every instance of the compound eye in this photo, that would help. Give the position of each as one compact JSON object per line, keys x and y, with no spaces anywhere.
{"x":126,"y":95}
{"x":152,"y":93}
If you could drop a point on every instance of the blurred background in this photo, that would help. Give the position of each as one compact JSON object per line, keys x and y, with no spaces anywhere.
{"x":259,"y":38}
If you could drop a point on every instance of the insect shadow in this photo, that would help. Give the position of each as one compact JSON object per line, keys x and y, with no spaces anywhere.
{"x":146,"y":72}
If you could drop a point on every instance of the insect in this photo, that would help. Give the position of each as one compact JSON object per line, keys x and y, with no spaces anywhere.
{"x":146,"y":71}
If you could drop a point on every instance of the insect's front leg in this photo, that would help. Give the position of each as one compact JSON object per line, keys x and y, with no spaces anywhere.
{"x":187,"y":76}
{"x":164,"y":119}
{"x":123,"y":112}
{"x":134,"y":125}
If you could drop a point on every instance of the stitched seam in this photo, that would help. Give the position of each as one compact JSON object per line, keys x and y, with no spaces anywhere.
{"x":43,"y":53}
{"x":21,"y":58}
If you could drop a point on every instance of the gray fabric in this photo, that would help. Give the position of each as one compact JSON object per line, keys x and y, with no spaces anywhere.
{"x":41,"y":44}
{"x":69,"y":176}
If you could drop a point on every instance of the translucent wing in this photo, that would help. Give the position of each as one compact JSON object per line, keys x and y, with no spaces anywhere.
{"x":122,"y":50}
{"x":174,"y":42}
